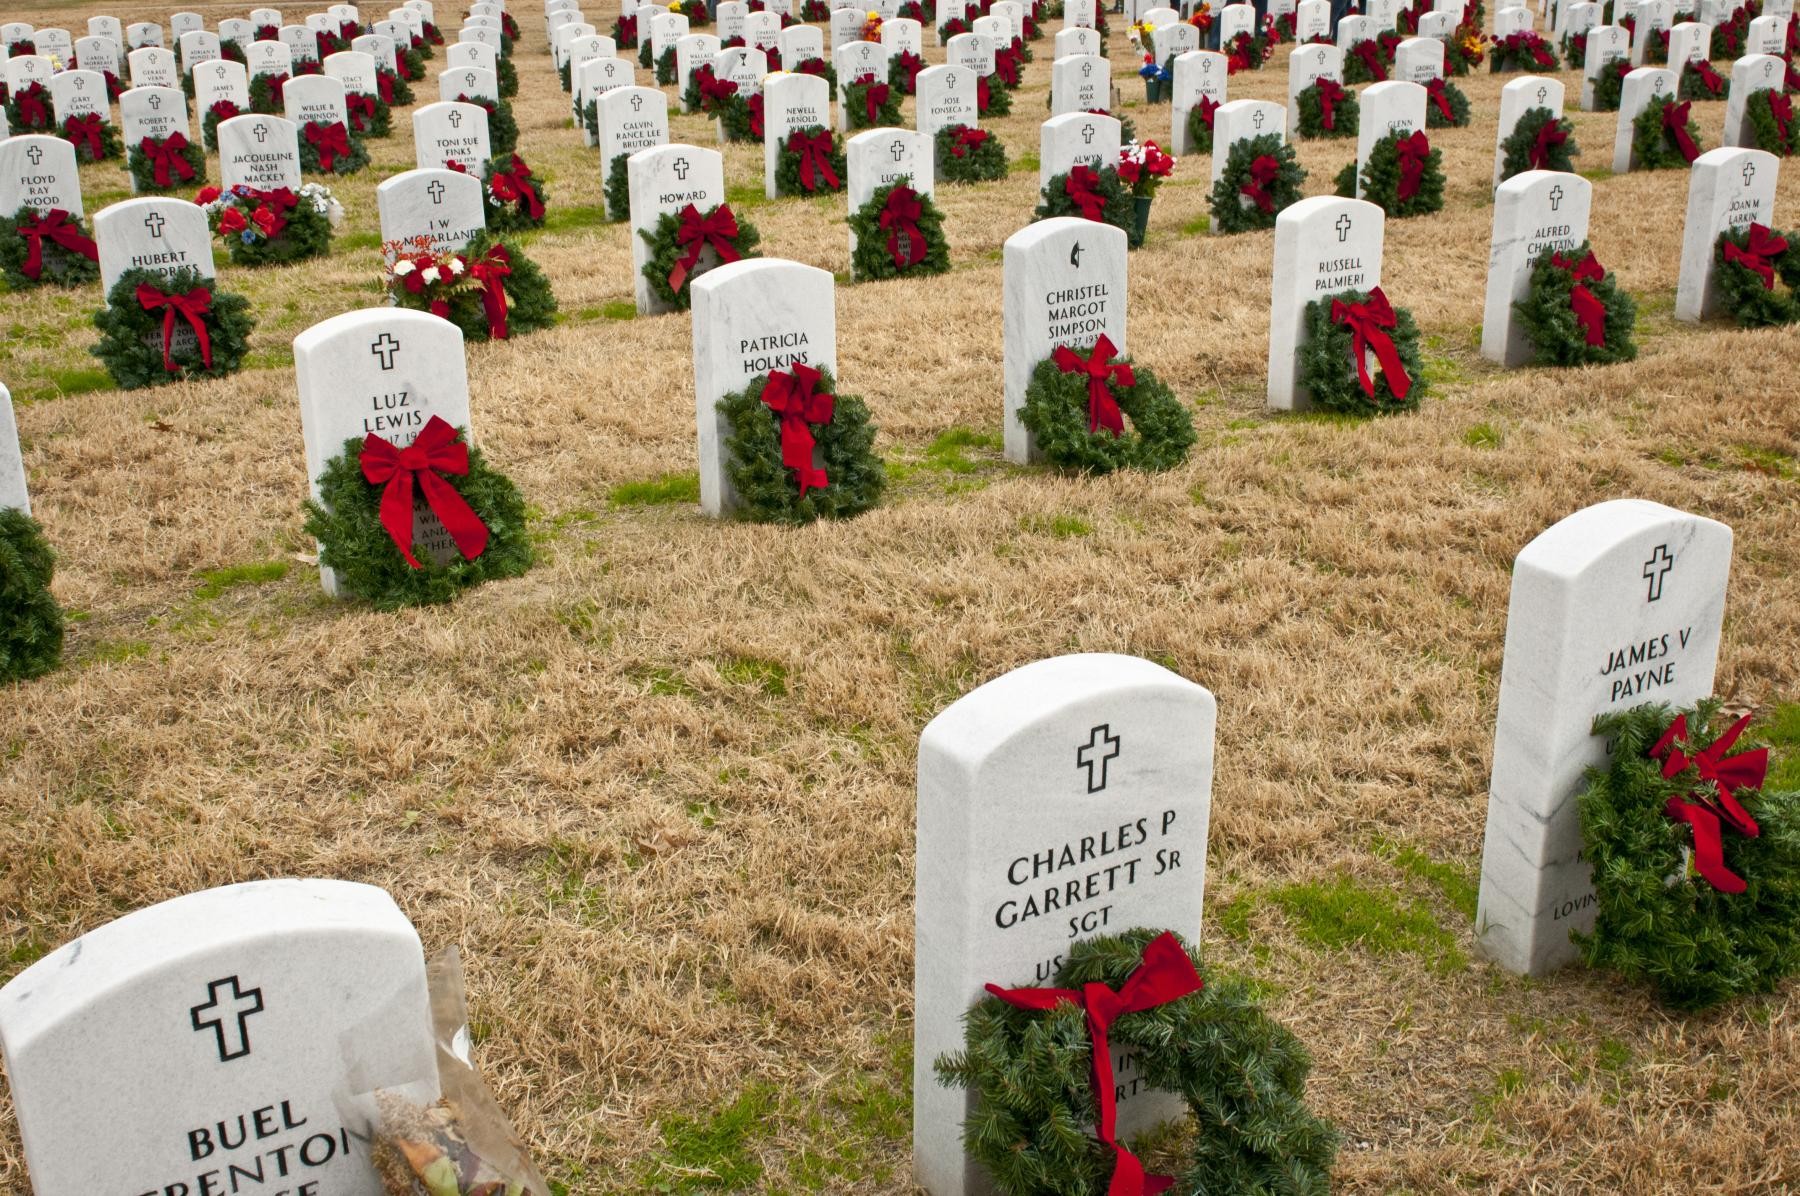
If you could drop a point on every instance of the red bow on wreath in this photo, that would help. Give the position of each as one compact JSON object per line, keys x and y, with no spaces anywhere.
{"x":1006,"y":65}
{"x":1584,"y":303}
{"x":1540,"y":54}
{"x":966,"y":139}
{"x":714,"y":91}
{"x":874,"y":98}
{"x":1080,"y":188}
{"x":1208,"y":107}
{"x":435,"y":452}
{"x":32,"y":112}
{"x":696,"y":232}
{"x":1369,"y":323}
{"x":1167,"y":974}
{"x":1414,"y":152}
{"x":165,"y":155}
{"x":1263,"y":172}
{"x":384,"y":85}
{"x":1763,"y":244}
{"x":1101,"y":370}
{"x":512,"y":183}
{"x":910,"y":66}
{"x":1331,"y":93}
{"x":815,"y":157}
{"x":361,"y":109}
{"x":53,"y":226}
{"x":192,"y":306}
{"x":272,"y":208}
{"x":900,"y":219}
{"x":627,"y":31}
{"x":276,"y":82}
{"x":795,"y":397}
{"x":491,"y":272}
{"x":1437,"y":92}
{"x":1704,"y":812}
{"x":224,"y":109}
{"x":1548,"y":138}
{"x":331,"y":140}
{"x":755,"y":104}
{"x":85,"y":130}
{"x":1674,"y":123}
{"x":1782,"y":109}
{"x":1370,"y":53}
{"x":1713,"y":81}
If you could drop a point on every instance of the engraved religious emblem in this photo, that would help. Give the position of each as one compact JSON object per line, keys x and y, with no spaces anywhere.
{"x":1257,"y":119}
{"x":456,"y":120}
{"x":1102,"y":747}
{"x":260,"y":132}
{"x":155,"y":103}
{"x":1556,"y":198}
{"x":36,"y":154}
{"x":384,"y":347}
{"x":1087,"y":134}
{"x":154,"y":222}
{"x":228,"y":1017}
{"x":637,"y":103}
{"x":1657,"y":568}
{"x":1075,"y":256}
{"x":436,"y":191}
{"x":1343,"y":226}
{"x":1749,"y":172}
{"x":898,"y":149}
{"x":681,"y":169}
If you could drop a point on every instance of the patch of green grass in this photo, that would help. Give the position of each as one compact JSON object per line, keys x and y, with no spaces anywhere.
{"x":669,"y":488}
{"x":214,"y":582}
{"x":767,"y":675}
{"x":1061,"y":527}
{"x":1781,"y":727}
{"x":73,"y":380}
{"x":565,"y":217}
{"x":746,"y":195}
{"x":23,"y":955}
{"x":1444,"y":371}
{"x":619,"y":309}
{"x":1198,"y":226}
{"x":1456,"y":883}
{"x":357,"y":241}
{"x":664,"y":682}
{"x":1767,"y":460}
{"x":1343,"y":913}
{"x":1507,"y":1081}
{"x":1023,"y":163}
{"x":710,"y":1152}
{"x":1596,"y":174}
{"x":117,"y":651}
{"x":949,"y":452}
{"x":1233,"y":917}
{"x":1482,"y":436}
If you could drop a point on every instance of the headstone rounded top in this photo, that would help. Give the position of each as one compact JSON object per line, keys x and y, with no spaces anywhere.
{"x":1567,"y":548}
{"x":1039,"y":231}
{"x":734,"y":273}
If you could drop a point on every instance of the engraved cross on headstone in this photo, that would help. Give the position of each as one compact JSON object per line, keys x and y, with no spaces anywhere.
{"x":1658,"y":85}
{"x":155,"y":103}
{"x":1087,"y":69}
{"x":260,"y":132}
{"x":1257,"y":118}
{"x":1656,"y":568}
{"x":637,"y":103}
{"x":384,"y":347}
{"x":154,"y":222}
{"x":1556,"y":198}
{"x":456,"y":120}
{"x":219,"y":71}
{"x":36,"y":154}
{"x":1749,"y":172}
{"x":1542,"y":92}
{"x":1087,"y":134}
{"x":230,"y":1023}
{"x":950,"y":80}
{"x":898,"y":149}
{"x":681,"y":169}
{"x":80,"y":82}
{"x":1091,"y":757}
{"x":1343,"y":226}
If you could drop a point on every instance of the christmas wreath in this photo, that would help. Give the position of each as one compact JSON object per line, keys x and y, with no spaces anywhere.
{"x":509,"y":27}
{"x":967,"y":155}
{"x":330,"y":149}
{"x":93,"y":138}
{"x":503,"y":130}
{"x":430,"y":34}
{"x":28,"y":110}
{"x":1609,"y":85}
{"x":365,"y":517}
{"x":270,"y":228}
{"x":1446,"y":107}
{"x":1037,"y":1062}
{"x":645,"y":45}
{"x":1696,"y":867}
{"x":1728,"y":35}
{"x":1404,"y":176}
{"x":515,"y":197}
{"x":1657,"y":52}
{"x":1008,"y":65}
{"x":156,"y":328}
{"x":1463,"y":53}
{"x":218,"y":110}
{"x":392,"y":90}
{"x":665,"y":67}
{"x":1522,"y":51}
{"x":903,"y":71}
{"x":1096,"y":195}
{"x":1701,"y":81}
{"x":1200,"y":125}
{"x":819,"y":68}
{"x":1261,"y":177}
{"x":1574,"y":48}
{"x":20,"y":47}
{"x":1369,"y":60}
{"x":992,"y":97}
{"x":1747,"y":263}
{"x":370,"y":115}
{"x":813,"y":11}
{"x":810,"y":162}
{"x":625,"y":32}
{"x":898,"y":233}
{"x":698,"y":13}
{"x":870,"y":104}
{"x":409,"y":64}
{"x":1077,"y":406}
{"x":1127,"y":128}
{"x":685,"y":245}
{"x":1664,"y":135}
{"x":265,"y":94}
{"x":1771,"y":116}
{"x":1540,"y":141}
{"x":166,"y":164}
{"x":1247,"y":52}
{"x":1326,"y":108}
{"x":39,"y":248}
{"x":31,"y":623}
{"x":1342,"y":332}
{"x":1574,"y":312}
{"x":778,"y":423}
{"x":618,"y":189}
{"x":490,"y":290}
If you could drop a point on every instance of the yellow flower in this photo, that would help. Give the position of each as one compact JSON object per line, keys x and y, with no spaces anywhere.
{"x":873,"y":15}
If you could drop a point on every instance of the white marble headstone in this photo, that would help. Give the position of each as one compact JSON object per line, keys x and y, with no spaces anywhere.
{"x":1419,"y":60}
{"x":751,"y":317}
{"x":1076,"y":139}
{"x":846,"y":25}
{"x":1728,"y":189}
{"x":1617,"y":605}
{"x":269,"y":58}
{"x":790,"y":103}
{"x":1312,"y":19}
{"x":1644,"y":85}
{"x":315,"y":99}
{"x":1605,"y":44}
{"x":667,"y":179}
{"x":1536,"y":212}
{"x":144,"y":33}
{"x":39,"y":171}
{"x":1391,"y":107}
{"x":1064,"y":283}
{"x":799,"y":43}
{"x":355,"y":70}
{"x":449,"y":131}
{"x":599,"y":78}
{"x":380,"y":48}
{"x":226,"y":1013}
{"x":302,"y":42}
{"x":1323,"y":245}
{"x":903,"y":35}
{"x":1240,"y":120}
{"x":1354,"y":29}
{"x":630,"y":119}
{"x":152,"y":112}
{"x":160,"y":234}
{"x":444,"y":206}
{"x":1075,"y":40}
{"x":197,"y":47}
{"x":879,"y":157}
{"x":98,"y":54}
{"x":1438,"y":25}
{"x":14,"y":494}
{"x":55,"y":44}
{"x":1517,"y":98}
{"x":1080,"y":84}
{"x":946,"y":98}
{"x":107,"y":27}
{"x":259,"y":151}
{"x":152,"y":66}
{"x":1023,"y":783}
{"x":237,"y":30}
{"x":1767,"y":34}
{"x":1081,"y":14}
{"x":1306,"y":66}
{"x":469,"y":81}
{"x":1508,"y":21}
{"x":1749,"y":75}
{"x":465,"y":54}
{"x":221,"y":80}
{"x":1197,"y":73}
{"x":1652,"y":17}
{"x":79,"y":93}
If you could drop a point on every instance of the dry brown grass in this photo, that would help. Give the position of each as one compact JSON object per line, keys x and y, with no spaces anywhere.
{"x":660,"y":789}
